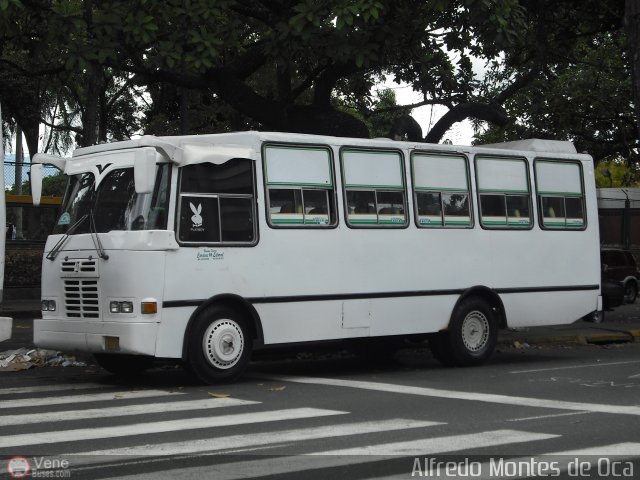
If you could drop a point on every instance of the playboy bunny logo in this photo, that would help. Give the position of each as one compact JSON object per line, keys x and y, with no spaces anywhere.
{"x":196,"y":218}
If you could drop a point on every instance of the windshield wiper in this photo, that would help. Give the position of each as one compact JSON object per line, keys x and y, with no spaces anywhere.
{"x":96,"y":240}
{"x":94,"y":237}
{"x":58,"y":246}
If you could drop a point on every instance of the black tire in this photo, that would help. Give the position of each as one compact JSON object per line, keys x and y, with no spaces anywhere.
{"x":219,"y":345}
{"x":124,"y":365}
{"x":471,"y":337}
{"x":630,"y":292}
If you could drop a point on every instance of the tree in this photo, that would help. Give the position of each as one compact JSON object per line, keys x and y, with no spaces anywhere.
{"x":616,"y":173}
{"x":632,"y":28}
{"x":576,"y":82}
{"x":308,"y":66}
{"x":281,"y":64}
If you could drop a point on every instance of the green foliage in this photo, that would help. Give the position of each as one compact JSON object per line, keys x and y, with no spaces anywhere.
{"x":578,"y":86}
{"x":288,"y":65}
{"x":617,"y":173}
{"x":52,"y":186}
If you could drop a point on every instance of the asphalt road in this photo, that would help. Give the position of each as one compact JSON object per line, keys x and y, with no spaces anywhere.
{"x":538,"y":410}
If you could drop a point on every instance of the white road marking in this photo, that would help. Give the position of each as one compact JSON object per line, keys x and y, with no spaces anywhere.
{"x":471,"y":396}
{"x":539,"y":417}
{"x":452,"y":443}
{"x":84,"y":434}
{"x":627,"y":449}
{"x":571,"y":367}
{"x":91,"y":397}
{"x":52,"y":388}
{"x":338,"y":458}
{"x":127,"y":410}
{"x":276,"y":438}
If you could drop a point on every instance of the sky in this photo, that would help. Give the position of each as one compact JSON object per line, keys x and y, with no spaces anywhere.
{"x":460,"y":133}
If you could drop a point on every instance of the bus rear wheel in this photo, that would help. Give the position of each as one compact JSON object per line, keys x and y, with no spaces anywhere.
{"x":219,"y":346}
{"x":471,"y":337}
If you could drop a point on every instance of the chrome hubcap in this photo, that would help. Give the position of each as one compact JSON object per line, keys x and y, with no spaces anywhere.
{"x":223,"y":343}
{"x":475,"y":331}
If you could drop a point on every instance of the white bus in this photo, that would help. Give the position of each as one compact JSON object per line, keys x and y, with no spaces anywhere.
{"x":201,"y":248}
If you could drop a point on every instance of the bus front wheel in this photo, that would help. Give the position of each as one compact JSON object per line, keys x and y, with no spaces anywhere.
{"x":219,"y":346}
{"x":471,"y":337}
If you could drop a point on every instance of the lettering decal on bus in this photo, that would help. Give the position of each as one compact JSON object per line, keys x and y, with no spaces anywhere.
{"x":210,"y":254}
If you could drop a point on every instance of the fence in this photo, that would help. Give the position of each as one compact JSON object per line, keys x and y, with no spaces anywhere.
{"x":20,"y":170}
{"x":26,"y":223}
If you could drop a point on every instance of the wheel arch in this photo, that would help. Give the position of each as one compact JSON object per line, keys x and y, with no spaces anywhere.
{"x":488,"y":295}
{"x":233,"y":301}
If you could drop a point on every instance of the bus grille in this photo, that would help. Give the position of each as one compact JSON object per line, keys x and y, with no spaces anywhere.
{"x":81,"y":298}
{"x":78,"y":266}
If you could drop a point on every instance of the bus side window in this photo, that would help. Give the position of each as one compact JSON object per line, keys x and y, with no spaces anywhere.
{"x":300,"y":190}
{"x":560,"y":194}
{"x":503,"y":187}
{"x":441,"y":189}
{"x":374,"y":188}
{"x":217,"y":203}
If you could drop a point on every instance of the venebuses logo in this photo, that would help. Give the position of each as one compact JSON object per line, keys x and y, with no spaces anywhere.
{"x":18,"y":467}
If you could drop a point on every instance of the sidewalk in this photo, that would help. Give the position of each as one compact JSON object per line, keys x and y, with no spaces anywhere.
{"x":620,"y":326}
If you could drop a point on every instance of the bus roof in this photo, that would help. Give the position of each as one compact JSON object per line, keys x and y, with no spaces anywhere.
{"x":253,"y":140}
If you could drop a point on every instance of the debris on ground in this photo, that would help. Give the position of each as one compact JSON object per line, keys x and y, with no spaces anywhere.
{"x":24,"y":359}
{"x":219,"y":395}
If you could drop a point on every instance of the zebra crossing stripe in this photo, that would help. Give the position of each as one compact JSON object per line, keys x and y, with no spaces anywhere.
{"x":460,"y":395}
{"x":84,"y":434}
{"x":128,"y":410}
{"x":628,"y":449}
{"x":91,"y":397}
{"x":446,"y":444}
{"x":267,"y":438}
{"x":346,"y":457}
{"x":52,"y":388}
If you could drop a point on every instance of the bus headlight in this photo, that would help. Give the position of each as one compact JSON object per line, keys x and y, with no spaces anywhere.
{"x":126,"y":307}
{"x":48,"y":305}
{"x":119,"y":306}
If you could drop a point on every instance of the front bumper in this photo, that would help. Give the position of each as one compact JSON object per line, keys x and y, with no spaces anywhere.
{"x":96,"y":337}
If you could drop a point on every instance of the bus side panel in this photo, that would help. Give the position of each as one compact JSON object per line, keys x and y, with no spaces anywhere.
{"x":171,"y":331}
{"x":547,"y":308}
{"x":305,"y":321}
{"x":404,"y":316}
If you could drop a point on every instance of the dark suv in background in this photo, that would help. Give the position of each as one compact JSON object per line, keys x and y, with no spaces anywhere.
{"x":619,"y":266}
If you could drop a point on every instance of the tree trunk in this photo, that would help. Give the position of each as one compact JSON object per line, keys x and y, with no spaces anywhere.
{"x":632,"y":25}
{"x":19,"y":162}
{"x":91,"y":110}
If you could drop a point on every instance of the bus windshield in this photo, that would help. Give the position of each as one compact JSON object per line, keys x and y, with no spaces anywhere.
{"x":114,"y":204}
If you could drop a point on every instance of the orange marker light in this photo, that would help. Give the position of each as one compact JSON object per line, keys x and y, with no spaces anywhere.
{"x":149,"y":308}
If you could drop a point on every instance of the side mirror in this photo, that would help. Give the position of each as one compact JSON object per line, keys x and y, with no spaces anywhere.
{"x":144,"y":171}
{"x":36,"y":182}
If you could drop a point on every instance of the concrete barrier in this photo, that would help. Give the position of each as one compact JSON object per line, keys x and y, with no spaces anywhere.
{"x":5,"y":328}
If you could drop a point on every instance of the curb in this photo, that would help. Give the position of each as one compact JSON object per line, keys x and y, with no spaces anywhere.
{"x":605,"y":337}
{"x":635,"y":333}
{"x":599,"y":337}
